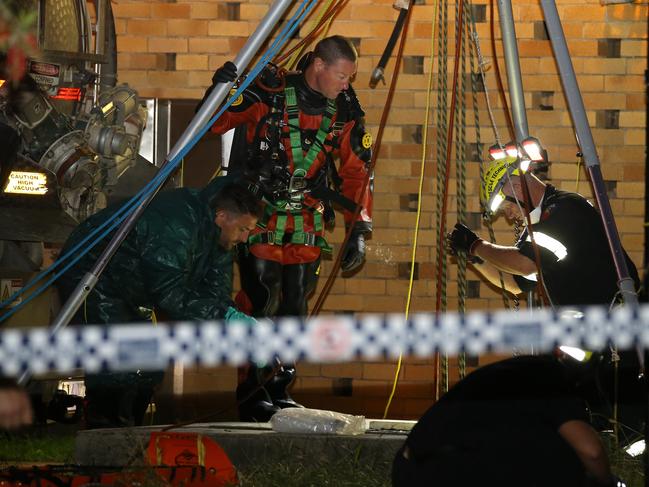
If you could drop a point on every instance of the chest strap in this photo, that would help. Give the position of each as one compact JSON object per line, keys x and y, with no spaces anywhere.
{"x":302,"y":162}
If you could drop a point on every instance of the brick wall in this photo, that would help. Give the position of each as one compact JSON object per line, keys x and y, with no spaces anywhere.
{"x":170,"y":50}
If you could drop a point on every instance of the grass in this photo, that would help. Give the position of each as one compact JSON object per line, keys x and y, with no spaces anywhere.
{"x":36,"y":447}
{"x":349,"y":473}
{"x":628,"y":468}
{"x":43,"y":447}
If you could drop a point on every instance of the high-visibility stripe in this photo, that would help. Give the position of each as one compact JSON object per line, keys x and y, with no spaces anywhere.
{"x":552,"y":244}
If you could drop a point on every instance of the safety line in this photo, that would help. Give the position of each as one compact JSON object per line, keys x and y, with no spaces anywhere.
{"x":375,"y":151}
{"x":424,"y":150}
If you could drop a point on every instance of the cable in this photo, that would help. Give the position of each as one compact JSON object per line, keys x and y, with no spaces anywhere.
{"x":325,"y":18}
{"x":424,"y":150}
{"x":375,"y":151}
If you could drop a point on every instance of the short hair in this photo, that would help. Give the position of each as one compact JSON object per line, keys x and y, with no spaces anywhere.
{"x":238,"y":199}
{"x":331,"y":49}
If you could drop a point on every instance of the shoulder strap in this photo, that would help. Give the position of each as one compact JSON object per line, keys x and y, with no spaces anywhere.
{"x":302,"y":162}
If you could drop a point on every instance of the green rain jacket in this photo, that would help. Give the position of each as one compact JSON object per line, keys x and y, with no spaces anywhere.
{"x":170,"y":263}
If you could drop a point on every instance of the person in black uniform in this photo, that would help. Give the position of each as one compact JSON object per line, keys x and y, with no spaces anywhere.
{"x":575,"y":256}
{"x":290,"y":128}
{"x":576,"y":265}
{"x":518,"y":422}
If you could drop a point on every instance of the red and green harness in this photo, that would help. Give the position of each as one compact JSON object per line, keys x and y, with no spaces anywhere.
{"x":293,"y":205}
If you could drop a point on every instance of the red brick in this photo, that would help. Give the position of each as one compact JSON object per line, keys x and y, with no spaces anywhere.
{"x":132,"y":44}
{"x":183,"y":27}
{"x":131,"y":10}
{"x":229,"y":28}
{"x":167,"y":44}
{"x":191,"y":61}
{"x":170,"y":10}
{"x":209,"y":45}
{"x":146,"y":27}
{"x":204,"y":10}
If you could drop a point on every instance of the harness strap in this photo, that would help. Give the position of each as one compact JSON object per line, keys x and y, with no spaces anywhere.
{"x":308,"y":239}
{"x":302,"y":162}
{"x":280,"y":227}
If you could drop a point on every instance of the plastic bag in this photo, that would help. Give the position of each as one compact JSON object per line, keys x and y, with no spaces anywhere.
{"x":305,"y":420}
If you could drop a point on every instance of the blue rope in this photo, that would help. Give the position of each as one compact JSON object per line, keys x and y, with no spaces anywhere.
{"x":120,"y":215}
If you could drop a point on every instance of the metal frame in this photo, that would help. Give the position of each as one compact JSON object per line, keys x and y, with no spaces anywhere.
{"x":217,"y":96}
{"x":580,"y":121}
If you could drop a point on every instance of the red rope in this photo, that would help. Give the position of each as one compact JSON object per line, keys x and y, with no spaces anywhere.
{"x":375,"y":151}
{"x":331,"y":11}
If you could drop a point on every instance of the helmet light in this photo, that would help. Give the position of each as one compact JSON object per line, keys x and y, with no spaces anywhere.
{"x":533,"y":149}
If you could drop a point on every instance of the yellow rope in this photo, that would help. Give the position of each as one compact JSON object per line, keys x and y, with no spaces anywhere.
{"x":421,"y":186}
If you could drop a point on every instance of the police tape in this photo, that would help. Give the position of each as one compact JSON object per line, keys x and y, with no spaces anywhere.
{"x":323,"y":339}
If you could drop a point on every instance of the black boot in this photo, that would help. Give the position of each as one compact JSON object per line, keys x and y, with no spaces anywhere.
{"x":277,"y":387}
{"x":259,"y":406}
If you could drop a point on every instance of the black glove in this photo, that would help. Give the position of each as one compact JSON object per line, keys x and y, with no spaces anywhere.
{"x":225,"y":74}
{"x":354,"y":251}
{"x":462,"y":239}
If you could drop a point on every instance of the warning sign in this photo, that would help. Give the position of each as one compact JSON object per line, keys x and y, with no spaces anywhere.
{"x":8,"y":287}
{"x":47,"y":75}
{"x":23,"y":182}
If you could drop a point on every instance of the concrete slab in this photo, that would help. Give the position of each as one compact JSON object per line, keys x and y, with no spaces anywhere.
{"x":249,"y":444}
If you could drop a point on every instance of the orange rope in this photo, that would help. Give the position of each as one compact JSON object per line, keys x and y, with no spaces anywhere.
{"x":375,"y":151}
{"x":333,"y":10}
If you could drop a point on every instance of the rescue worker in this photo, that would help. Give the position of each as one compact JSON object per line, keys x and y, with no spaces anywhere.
{"x":575,"y":257}
{"x":177,"y":263}
{"x":291,"y":128}
{"x":519,"y":422}
{"x":576,"y":266}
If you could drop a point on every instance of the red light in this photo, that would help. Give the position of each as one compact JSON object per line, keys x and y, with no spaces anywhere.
{"x":72,"y":94}
{"x":496,"y":152}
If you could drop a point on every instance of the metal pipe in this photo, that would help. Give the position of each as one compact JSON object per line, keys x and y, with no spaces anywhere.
{"x":516,"y":95}
{"x":217,"y":96}
{"x":587,"y":147}
{"x":515,"y":82}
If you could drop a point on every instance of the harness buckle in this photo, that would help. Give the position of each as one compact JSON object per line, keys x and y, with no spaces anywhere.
{"x":297,"y":184}
{"x":309,"y":239}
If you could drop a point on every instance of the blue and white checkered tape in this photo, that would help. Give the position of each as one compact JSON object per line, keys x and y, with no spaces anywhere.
{"x":323,"y":339}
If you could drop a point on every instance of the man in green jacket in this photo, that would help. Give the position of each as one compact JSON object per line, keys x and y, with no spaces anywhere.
{"x":176,"y":264}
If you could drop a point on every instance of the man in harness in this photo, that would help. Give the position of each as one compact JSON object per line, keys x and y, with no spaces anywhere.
{"x":290,"y":129}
